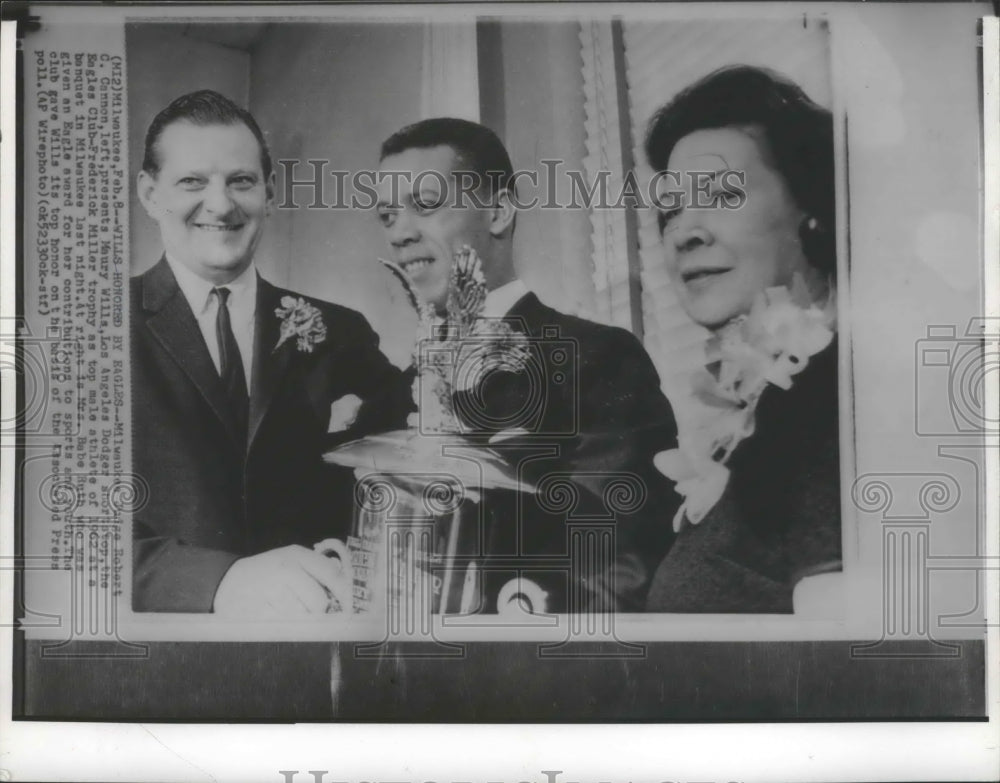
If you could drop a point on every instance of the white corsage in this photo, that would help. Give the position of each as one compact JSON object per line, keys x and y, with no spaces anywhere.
{"x":344,"y":412}
{"x":769,"y":345}
{"x":700,"y":482}
{"x":300,"y":320}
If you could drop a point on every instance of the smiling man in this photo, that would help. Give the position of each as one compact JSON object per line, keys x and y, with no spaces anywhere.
{"x":427,"y":217}
{"x":233,"y":381}
{"x":590,"y":395}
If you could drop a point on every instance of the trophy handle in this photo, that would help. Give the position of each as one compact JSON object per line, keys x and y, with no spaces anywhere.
{"x":334,"y":547}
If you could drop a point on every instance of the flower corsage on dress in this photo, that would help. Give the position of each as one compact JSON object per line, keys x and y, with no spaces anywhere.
{"x":769,"y":345}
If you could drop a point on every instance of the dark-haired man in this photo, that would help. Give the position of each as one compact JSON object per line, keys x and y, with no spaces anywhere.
{"x":595,"y":403}
{"x":233,"y":381}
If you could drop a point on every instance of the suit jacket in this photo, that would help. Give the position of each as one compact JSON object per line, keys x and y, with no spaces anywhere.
{"x":591,"y":398}
{"x":213,"y":499}
{"x":778,"y":519}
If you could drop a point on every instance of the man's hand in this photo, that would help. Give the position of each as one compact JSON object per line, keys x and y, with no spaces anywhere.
{"x":283,"y":583}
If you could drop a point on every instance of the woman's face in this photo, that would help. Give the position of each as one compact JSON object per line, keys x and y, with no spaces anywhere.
{"x":720,"y":257}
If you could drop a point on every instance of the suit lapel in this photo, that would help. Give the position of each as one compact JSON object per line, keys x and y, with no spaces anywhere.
{"x":541,"y":321}
{"x":269,"y":366}
{"x":526,"y":312}
{"x":174,"y":326}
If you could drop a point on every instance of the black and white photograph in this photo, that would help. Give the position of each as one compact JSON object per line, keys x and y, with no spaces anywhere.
{"x":566,"y":401}
{"x":509,"y":364}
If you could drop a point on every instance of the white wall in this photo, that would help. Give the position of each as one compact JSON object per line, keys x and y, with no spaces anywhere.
{"x":543,"y":119}
{"x":335,"y":92}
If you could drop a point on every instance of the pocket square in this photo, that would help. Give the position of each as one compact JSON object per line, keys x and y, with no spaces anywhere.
{"x":343,"y":413}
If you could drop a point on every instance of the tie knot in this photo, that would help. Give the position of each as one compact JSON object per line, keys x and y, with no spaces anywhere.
{"x":223,"y":294}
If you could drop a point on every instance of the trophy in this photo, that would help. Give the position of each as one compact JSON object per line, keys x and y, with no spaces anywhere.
{"x":419,"y":534}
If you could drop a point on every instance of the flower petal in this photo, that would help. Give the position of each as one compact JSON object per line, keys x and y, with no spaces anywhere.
{"x":679,"y":517}
{"x":674,"y":465}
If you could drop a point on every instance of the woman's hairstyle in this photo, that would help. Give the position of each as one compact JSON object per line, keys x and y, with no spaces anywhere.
{"x":799,"y":135}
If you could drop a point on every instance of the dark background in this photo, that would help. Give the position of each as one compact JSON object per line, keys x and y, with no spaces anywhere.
{"x":493,"y":682}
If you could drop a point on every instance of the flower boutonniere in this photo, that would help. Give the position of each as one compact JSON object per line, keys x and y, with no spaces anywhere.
{"x":300,"y":320}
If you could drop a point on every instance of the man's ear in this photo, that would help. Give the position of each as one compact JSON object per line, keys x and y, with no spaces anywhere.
{"x":502,"y":213}
{"x":146,"y":190}
{"x":269,"y":194}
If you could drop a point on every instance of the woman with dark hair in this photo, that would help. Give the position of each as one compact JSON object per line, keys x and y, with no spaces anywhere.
{"x":749,"y":245}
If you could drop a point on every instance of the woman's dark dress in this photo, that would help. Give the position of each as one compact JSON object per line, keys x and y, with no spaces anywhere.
{"x":779,"y":517}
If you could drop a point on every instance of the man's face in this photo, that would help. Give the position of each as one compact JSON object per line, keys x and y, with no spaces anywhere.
{"x":422,"y":222}
{"x":210,"y":197}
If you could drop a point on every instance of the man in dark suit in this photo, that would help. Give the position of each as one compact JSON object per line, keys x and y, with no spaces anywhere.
{"x":233,"y":383}
{"x":591,"y":411}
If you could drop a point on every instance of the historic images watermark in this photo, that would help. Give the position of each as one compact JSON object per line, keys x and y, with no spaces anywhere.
{"x":311,"y":184}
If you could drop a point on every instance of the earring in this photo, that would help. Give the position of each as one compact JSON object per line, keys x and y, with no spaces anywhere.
{"x":817,"y":244}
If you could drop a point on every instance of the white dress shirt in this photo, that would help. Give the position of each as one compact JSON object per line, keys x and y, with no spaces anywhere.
{"x":500,"y":300}
{"x":242,"y":304}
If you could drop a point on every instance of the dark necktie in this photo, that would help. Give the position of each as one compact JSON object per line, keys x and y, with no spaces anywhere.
{"x":231,"y":365}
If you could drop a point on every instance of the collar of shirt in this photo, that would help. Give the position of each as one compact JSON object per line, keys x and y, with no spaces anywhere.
{"x":198,"y":291}
{"x":242,"y":309}
{"x":500,"y":300}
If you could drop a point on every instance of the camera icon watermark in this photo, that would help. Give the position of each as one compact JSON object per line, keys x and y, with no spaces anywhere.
{"x":501,"y":379}
{"x":950,"y":383}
